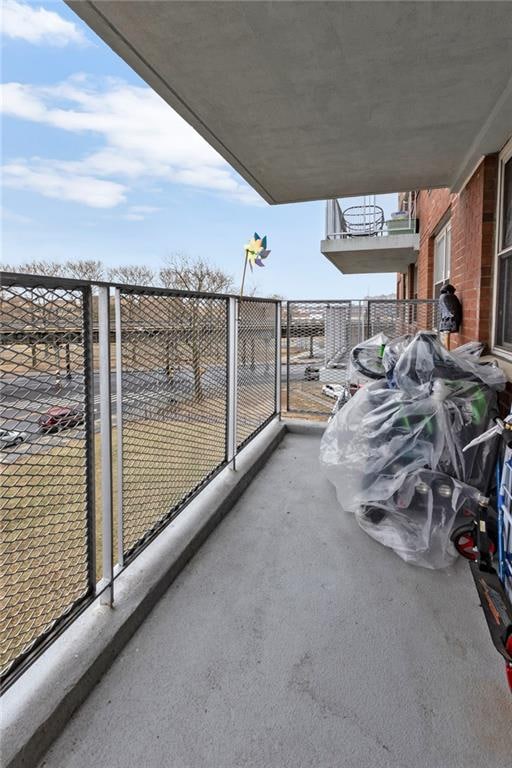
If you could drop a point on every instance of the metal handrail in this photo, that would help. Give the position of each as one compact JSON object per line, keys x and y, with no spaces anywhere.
{"x":368,"y":220}
{"x":9,"y":279}
{"x":123,"y":326}
{"x":236,"y":378}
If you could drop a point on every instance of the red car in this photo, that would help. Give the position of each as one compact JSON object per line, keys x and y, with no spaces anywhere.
{"x":60,"y":417}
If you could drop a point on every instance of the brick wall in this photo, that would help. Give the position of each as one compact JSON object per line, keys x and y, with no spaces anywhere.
{"x":433,"y":210}
{"x":472,"y":215}
{"x":405,"y":287}
{"x":400,"y":284}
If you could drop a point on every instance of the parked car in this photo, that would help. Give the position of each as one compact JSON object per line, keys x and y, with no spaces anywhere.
{"x":311,"y":373}
{"x":333,"y":390}
{"x":60,"y":417}
{"x":10,"y":437}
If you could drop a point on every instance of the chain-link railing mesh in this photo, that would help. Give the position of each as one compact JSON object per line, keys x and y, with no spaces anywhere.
{"x":175,"y":402}
{"x":45,"y":499}
{"x":319,"y":337}
{"x":396,"y":318}
{"x":174,"y":361}
{"x":256,"y":369}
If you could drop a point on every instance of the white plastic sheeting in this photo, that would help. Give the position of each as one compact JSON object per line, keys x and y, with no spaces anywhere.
{"x":417,"y":520}
{"x":366,"y":360}
{"x":395,"y":455}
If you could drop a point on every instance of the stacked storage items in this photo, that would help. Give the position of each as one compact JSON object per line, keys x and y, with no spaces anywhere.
{"x":395,"y":451}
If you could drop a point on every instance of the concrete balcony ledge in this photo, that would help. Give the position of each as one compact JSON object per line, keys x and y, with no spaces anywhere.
{"x":38,"y":705}
{"x":363,"y":255}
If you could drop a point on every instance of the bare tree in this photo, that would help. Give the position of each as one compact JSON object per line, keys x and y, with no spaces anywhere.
{"x":132,"y":274}
{"x":185,"y":273}
{"x":42,"y":305}
{"x":194,"y":274}
{"x":84,"y":269}
{"x":38,"y":267}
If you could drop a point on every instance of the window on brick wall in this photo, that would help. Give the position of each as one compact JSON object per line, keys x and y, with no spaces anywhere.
{"x":442,"y":258}
{"x":503,"y":293}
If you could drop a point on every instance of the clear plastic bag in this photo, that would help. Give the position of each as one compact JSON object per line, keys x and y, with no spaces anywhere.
{"x":472,"y":348}
{"x":366,"y":360}
{"x":417,"y":520}
{"x":425,"y":359}
{"x":374,"y":440}
{"x":392,"y":353}
{"x":384,"y":437}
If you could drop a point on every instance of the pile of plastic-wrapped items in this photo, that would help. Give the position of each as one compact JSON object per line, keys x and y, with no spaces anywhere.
{"x":395,"y":453}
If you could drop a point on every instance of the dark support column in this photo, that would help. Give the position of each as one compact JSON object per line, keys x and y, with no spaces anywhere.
{"x":167,"y":356}
{"x":68,"y":362}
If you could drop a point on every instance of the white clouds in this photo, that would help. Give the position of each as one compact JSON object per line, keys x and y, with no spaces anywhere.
{"x":142,"y":136}
{"x":37,"y":25}
{"x":144,"y":209}
{"x":48,"y":179}
{"x":140,"y":212}
{"x":17,"y":218}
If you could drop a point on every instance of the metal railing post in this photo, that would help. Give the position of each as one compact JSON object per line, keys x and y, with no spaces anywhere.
{"x":107,"y":582}
{"x":233,"y":321}
{"x":89,"y":437}
{"x":119,"y":427}
{"x":288,"y":322}
{"x":278,"y":358}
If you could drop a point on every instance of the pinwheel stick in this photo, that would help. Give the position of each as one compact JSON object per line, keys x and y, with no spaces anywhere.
{"x":243,"y":276}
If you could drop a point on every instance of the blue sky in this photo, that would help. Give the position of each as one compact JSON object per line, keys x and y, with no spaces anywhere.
{"x":95,"y":165}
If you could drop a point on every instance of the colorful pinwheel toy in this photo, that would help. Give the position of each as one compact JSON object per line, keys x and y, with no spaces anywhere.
{"x":256,"y":251}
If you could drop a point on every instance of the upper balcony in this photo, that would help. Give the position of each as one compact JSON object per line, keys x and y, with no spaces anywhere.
{"x":368,"y":237}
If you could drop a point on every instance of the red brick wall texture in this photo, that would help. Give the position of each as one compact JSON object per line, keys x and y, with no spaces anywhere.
{"x":472,"y":214}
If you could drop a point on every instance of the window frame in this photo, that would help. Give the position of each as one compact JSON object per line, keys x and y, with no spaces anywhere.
{"x":501,"y":348}
{"x":444,"y":233}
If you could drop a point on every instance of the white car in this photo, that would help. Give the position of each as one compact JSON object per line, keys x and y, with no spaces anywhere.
{"x":333,"y":390}
{"x":10,"y":438}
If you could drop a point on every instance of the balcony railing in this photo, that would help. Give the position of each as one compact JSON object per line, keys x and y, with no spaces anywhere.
{"x":110,"y":427}
{"x":369,"y":218}
{"x":321,"y":334}
{"x":121,"y":403}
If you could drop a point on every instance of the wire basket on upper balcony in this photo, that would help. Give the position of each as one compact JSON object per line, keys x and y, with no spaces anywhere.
{"x":363,"y":220}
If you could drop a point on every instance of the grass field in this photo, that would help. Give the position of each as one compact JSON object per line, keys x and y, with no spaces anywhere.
{"x":43,"y":553}
{"x":307,"y":401}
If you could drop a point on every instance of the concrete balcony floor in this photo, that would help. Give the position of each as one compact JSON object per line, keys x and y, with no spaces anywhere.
{"x":293,"y":639}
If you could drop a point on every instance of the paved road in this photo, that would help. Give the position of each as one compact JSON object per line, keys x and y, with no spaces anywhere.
{"x":145,"y":394}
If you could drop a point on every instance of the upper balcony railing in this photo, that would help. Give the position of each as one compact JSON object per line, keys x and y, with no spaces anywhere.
{"x":369,"y":219}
